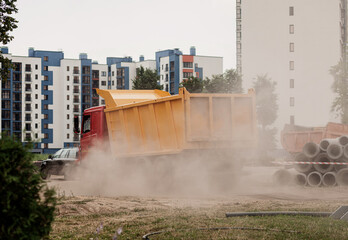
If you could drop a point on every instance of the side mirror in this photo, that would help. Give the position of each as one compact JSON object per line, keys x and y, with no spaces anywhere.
{"x":76,"y":125}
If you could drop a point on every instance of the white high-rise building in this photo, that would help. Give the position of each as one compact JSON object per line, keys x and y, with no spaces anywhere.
{"x":294,"y":42}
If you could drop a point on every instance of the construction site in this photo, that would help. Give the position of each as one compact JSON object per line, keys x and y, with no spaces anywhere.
{"x":186,"y":167}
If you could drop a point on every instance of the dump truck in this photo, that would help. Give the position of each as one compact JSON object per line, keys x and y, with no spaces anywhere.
{"x":151,"y":125}
{"x":140,"y":123}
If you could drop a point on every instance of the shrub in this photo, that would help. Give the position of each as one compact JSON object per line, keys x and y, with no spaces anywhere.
{"x":27,"y":206}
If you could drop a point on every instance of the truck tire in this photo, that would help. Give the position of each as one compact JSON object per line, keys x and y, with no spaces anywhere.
{"x":44,"y":173}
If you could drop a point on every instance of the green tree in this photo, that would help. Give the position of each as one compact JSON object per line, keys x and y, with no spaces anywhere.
{"x":27,"y":206}
{"x":146,"y":79}
{"x":229,"y":82}
{"x":266,"y":108}
{"x":7,"y":24}
{"x":193,"y":85}
{"x":340,"y":88}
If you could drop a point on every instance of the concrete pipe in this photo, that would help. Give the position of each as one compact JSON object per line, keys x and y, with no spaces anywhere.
{"x":343,"y":140}
{"x":339,"y":167}
{"x":282,"y":177}
{"x":324,"y":144}
{"x":314,"y":179}
{"x":334,"y":151}
{"x":323,"y":168}
{"x":311,"y":149}
{"x":345,"y":153}
{"x":342,"y":177}
{"x":329,"y":179}
{"x":301,"y":179}
{"x":302,"y":168}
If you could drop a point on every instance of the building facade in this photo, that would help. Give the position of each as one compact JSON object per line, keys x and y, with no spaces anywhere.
{"x":174,"y":67}
{"x":46,"y":91}
{"x":295,"y":43}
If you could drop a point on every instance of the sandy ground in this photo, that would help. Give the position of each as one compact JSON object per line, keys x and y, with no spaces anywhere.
{"x":255,"y":188}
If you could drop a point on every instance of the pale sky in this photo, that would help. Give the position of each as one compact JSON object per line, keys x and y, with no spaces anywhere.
{"x":115,"y":28}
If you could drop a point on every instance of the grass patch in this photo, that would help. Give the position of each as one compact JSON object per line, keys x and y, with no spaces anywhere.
{"x":185,"y":223}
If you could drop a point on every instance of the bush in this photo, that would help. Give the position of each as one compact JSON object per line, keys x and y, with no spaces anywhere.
{"x":27,"y":206}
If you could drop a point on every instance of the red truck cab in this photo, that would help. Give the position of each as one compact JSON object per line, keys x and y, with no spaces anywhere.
{"x":93,"y":130}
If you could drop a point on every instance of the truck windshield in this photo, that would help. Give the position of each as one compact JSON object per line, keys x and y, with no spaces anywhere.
{"x":86,"y":127}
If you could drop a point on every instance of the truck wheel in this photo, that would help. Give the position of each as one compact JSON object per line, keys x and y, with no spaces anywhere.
{"x":44,"y":173}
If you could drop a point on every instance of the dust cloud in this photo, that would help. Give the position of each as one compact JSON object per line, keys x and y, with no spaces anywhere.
{"x":200,"y":173}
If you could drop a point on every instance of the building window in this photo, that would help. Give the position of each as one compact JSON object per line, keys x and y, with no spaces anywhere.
{"x":67,"y":135}
{"x":292,"y":120}
{"x":45,"y":145}
{"x":292,"y":47}
{"x":67,"y":116}
{"x":36,"y":86}
{"x":291,"y":29}
{"x":67,"y":78}
{"x":45,"y":68}
{"x":292,"y":65}
{"x":36,"y":66}
{"x":45,"y":126}
{"x":68,"y":68}
{"x":36,"y":106}
{"x":36,"y":76}
{"x":36,"y":116}
{"x":292,"y":101}
{"x":46,"y":78}
{"x":45,"y":106}
{"x":76,"y":70}
{"x":103,"y":83}
{"x":292,"y":83}
{"x":291,"y":11}
{"x":45,"y":58}
{"x":68,"y":126}
{"x":113,"y":73}
{"x":167,"y":67}
{"x":187,"y":74}
{"x":67,"y":97}
{"x":27,"y":67}
{"x":102,"y":101}
{"x":45,"y":116}
{"x":67,"y":107}
{"x":67,"y":88}
{"x":103,"y":73}
{"x":188,"y":64}
{"x":36,"y":125}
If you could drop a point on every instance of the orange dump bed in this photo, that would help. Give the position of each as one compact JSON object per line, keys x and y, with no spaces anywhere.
{"x":293,"y":138}
{"x":153,"y":122}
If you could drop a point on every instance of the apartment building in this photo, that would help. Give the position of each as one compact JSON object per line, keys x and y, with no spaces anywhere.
{"x":21,"y":98}
{"x":295,"y":43}
{"x":174,"y":67}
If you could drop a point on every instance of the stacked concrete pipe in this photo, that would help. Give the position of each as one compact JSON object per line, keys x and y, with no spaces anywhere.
{"x":327,"y":175}
{"x":315,"y":175}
